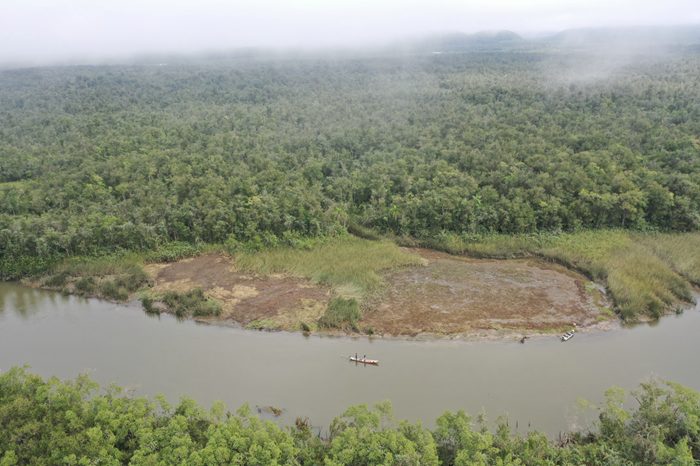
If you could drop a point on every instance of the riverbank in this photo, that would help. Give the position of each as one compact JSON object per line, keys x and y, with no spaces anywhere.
{"x":510,"y":286}
{"x":646,"y":275}
{"x":415,"y":293}
{"x":537,"y":384}
{"x":139,"y":430}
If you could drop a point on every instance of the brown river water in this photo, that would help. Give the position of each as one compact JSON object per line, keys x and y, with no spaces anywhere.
{"x":537,"y":384}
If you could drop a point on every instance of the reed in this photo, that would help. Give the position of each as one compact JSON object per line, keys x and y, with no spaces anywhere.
{"x":351,"y":266}
{"x":681,"y":250}
{"x":114,"y":276}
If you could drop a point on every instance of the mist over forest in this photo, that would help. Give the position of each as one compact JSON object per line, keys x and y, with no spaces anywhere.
{"x":460,"y":133}
{"x":348,"y":168}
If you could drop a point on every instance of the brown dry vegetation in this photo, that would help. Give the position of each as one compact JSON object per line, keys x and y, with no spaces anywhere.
{"x":447,"y":295}
{"x":284,"y":302}
{"x":457,"y":295}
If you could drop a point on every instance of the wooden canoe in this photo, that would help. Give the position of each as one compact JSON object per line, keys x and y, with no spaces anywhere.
{"x":374,"y":362}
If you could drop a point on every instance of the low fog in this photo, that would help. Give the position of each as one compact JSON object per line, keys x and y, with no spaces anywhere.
{"x":34,"y":32}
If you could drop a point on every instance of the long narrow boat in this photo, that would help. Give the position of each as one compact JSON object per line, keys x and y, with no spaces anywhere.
{"x":374,"y":362}
{"x":568,"y":336}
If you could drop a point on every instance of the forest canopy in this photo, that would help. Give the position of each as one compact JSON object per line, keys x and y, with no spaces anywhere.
{"x":103,"y":158}
{"x":48,"y":422}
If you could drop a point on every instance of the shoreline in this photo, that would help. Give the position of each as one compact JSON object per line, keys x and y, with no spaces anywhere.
{"x":477,"y":336}
{"x":501,"y":336}
{"x":566,"y":298}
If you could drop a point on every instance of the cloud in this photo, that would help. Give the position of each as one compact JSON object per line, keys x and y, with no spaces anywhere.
{"x":46,"y":30}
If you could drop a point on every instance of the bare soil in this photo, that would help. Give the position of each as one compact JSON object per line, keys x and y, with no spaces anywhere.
{"x":461,"y":296}
{"x":448,"y":296}
{"x":282,"y":302}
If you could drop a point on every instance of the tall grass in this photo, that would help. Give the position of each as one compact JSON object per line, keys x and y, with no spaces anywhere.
{"x":645,"y":274}
{"x":681,"y":250}
{"x":350,"y":265}
{"x":191,"y":303}
{"x":341,"y":313}
{"x":113,"y":276}
{"x":113,"y":264}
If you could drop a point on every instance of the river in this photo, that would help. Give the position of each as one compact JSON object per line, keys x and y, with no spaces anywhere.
{"x":536,"y":384}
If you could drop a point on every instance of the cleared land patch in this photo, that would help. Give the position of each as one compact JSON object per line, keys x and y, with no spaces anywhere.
{"x":276,"y":300}
{"x":441,"y":294}
{"x":647,"y":275}
{"x":458,"y":295}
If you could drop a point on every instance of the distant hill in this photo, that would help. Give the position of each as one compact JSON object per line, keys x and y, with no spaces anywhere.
{"x":642,"y":36}
{"x":456,"y":42}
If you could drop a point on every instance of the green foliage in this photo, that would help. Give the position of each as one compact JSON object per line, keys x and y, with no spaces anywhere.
{"x":48,"y":422}
{"x":110,"y":289}
{"x":191,"y":303}
{"x":363,"y":232}
{"x":341,"y":313}
{"x":256,"y":154}
{"x":682,"y":251}
{"x":664,"y":429}
{"x":52,"y":422}
{"x":113,"y":276}
{"x":263,"y":324}
{"x":362,"y":436}
{"x":14,"y":268}
{"x":85,"y":285}
{"x":351,"y":265}
{"x":147,"y":303}
{"x":57,"y":280}
{"x":172,"y":251}
{"x":458,"y":442}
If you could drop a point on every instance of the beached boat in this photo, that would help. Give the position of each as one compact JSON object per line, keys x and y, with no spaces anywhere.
{"x":374,"y":362}
{"x":568,"y":335}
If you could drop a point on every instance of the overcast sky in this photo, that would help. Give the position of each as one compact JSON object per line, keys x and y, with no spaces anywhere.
{"x":41,"y":31}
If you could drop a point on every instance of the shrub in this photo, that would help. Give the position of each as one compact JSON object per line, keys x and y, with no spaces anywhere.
{"x":351,"y":265}
{"x":111,"y":290}
{"x":85,"y":285}
{"x":191,"y":303}
{"x":341,"y":313}
{"x":58,"y":280}
{"x":170,"y":252}
{"x":134,"y":279}
{"x":363,"y":232}
{"x":147,"y":303}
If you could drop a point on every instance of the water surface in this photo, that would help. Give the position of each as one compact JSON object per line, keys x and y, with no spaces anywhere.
{"x":536,"y":384}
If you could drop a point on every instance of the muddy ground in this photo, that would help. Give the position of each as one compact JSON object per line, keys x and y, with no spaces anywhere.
{"x":457,"y":295}
{"x":271,"y":302}
{"x":448,"y":296}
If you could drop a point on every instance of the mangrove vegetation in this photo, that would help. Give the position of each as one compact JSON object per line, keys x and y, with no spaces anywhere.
{"x":494,"y":152}
{"x":49,"y":422}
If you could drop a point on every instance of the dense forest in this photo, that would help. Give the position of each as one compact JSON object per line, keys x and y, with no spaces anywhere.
{"x":49,"y":422}
{"x":101,"y":158}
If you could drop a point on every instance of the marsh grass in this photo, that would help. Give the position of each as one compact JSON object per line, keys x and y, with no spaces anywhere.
{"x":681,"y":250}
{"x":113,"y":277}
{"x":341,"y":313}
{"x":350,"y":265}
{"x":263,"y":324}
{"x":645,"y":274}
{"x":191,"y":303}
{"x":148,"y":302}
{"x":176,"y":250}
